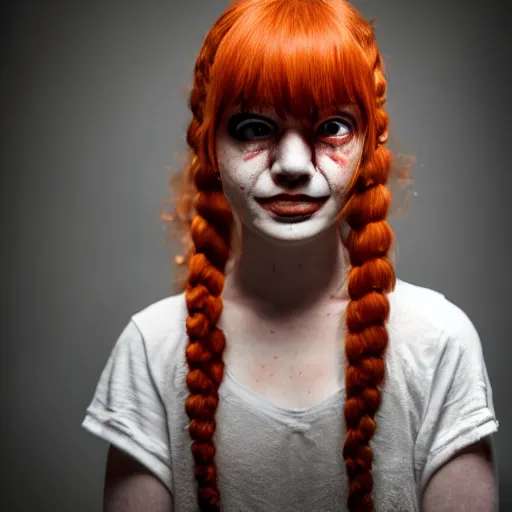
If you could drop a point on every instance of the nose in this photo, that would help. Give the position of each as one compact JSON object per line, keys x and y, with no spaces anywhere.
{"x":293,"y":164}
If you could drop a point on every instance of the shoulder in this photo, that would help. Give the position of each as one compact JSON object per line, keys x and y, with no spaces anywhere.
{"x":437,"y":358}
{"x":431,"y":340}
{"x":161,"y":329}
{"x":162,"y":318}
{"x":427,"y":319}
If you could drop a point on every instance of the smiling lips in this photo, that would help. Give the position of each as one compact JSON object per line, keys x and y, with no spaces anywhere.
{"x":290,"y":205}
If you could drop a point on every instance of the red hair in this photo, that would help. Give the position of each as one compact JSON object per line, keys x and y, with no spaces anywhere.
{"x":301,"y":57}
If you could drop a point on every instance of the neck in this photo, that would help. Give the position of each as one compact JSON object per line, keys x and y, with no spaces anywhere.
{"x":280,"y":278}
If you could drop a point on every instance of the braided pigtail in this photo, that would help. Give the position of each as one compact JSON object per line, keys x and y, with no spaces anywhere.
{"x":210,"y":232}
{"x":370,"y":278}
{"x":246,"y":70}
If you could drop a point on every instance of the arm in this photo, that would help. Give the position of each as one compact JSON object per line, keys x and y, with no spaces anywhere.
{"x":454,"y":446}
{"x":127,"y":411}
{"x":466,"y":483}
{"x":130,"y":487}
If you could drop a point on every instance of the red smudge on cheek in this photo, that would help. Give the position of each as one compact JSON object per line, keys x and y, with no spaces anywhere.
{"x":338,"y":158}
{"x":340,"y":152}
{"x":254,"y":150}
{"x":251,"y":155}
{"x":342,"y":157}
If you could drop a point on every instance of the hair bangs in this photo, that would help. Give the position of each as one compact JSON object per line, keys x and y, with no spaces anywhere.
{"x":300,"y":60}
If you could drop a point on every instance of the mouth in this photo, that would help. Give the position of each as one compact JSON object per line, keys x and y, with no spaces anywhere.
{"x":292,"y":207}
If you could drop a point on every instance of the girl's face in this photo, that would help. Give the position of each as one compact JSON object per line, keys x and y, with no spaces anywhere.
{"x":283,"y":179}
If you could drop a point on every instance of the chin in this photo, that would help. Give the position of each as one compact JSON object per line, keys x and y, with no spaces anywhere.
{"x":292,"y":233}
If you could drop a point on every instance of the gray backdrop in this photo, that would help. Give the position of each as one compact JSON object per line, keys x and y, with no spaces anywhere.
{"x":93,"y":111}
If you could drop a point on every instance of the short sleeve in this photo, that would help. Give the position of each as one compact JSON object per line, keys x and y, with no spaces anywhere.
{"x":127,"y":411}
{"x":460,"y":408}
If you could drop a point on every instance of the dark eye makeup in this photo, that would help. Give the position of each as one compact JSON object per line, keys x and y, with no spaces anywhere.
{"x":247,"y":126}
{"x":335,"y":127}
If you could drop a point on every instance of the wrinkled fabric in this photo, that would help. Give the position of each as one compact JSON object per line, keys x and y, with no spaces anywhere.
{"x":436,"y":400}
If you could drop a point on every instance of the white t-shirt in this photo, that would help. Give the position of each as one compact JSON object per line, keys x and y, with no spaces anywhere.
{"x":436,"y":400}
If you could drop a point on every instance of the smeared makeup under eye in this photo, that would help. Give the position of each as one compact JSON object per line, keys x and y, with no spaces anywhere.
{"x":252,"y":154}
{"x":339,"y":152}
{"x":338,"y":158}
{"x":345,"y":128}
{"x":340,"y":146}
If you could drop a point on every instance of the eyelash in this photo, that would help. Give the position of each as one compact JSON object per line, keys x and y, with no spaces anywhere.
{"x":347,"y":124}
{"x":247,"y":120}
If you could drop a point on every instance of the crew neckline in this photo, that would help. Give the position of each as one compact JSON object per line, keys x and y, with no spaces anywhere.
{"x":243,"y":392}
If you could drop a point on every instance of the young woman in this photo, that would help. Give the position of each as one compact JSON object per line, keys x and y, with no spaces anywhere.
{"x":294,"y":372}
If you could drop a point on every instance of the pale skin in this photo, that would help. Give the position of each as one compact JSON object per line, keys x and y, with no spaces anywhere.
{"x":130,"y":487}
{"x":286,"y":285}
{"x":281,"y":288}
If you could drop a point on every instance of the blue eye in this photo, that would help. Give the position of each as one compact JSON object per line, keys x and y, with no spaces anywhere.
{"x":246,"y":127}
{"x":335,"y":128}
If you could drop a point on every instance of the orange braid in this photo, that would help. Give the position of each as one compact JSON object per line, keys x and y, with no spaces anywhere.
{"x":210,"y":231}
{"x":370,"y":278}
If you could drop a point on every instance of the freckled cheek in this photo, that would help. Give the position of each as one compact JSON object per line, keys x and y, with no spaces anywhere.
{"x":234,"y":185}
{"x":242,"y":168}
{"x":338,"y":174}
{"x":238,"y":178}
{"x":338,"y":164}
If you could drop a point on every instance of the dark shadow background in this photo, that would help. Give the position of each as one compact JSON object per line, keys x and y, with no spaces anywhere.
{"x":93,"y":110}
